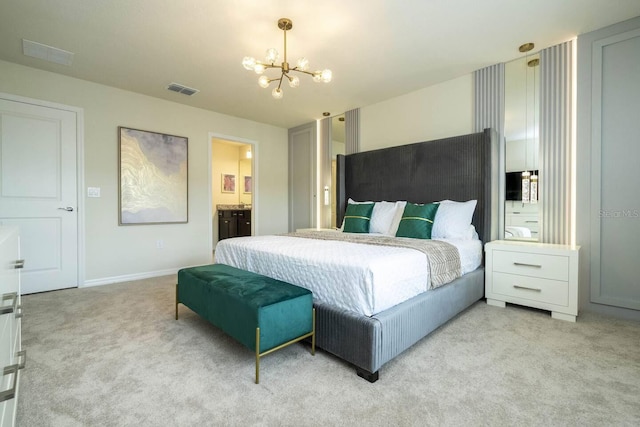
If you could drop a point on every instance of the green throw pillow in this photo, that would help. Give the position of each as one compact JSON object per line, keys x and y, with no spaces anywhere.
{"x":357,"y":218}
{"x":417,"y":221}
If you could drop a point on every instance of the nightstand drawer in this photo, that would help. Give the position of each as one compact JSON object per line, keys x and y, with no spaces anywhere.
{"x":530,"y":264}
{"x":531,"y":288}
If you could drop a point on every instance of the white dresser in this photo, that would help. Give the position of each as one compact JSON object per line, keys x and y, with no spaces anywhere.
{"x":539,"y":275}
{"x":11,"y":357}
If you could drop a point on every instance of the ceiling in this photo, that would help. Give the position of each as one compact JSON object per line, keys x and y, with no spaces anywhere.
{"x":377,"y":49}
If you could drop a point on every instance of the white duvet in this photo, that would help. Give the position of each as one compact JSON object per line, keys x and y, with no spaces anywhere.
{"x":365,"y":279}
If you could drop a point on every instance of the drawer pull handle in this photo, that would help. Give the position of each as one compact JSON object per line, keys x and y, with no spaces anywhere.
{"x":6,"y":309}
{"x":527,"y":288}
{"x":19,"y":264}
{"x":11,"y":393}
{"x":535,"y":222}
{"x":523,"y":264}
{"x":22,"y":354}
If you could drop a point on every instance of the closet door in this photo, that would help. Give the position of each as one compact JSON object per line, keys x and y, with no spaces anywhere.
{"x":302,"y":176}
{"x":615,"y":208}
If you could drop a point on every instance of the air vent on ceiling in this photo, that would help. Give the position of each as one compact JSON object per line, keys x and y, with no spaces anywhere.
{"x":177,"y":87}
{"x":48,"y":53}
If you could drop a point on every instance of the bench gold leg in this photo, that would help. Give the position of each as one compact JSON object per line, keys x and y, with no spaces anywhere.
{"x":313,"y":336}
{"x":176,"y":301}
{"x":257,"y":355}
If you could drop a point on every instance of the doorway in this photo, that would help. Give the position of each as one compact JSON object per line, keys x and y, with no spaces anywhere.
{"x":233,"y":185}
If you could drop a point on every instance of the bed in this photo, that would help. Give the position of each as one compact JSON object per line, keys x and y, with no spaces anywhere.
{"x":457,"y":168}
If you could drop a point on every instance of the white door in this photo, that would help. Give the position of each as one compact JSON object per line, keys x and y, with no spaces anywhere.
{"x":38,"y":191}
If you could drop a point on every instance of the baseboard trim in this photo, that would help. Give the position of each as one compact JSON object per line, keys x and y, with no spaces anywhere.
{"x":128,"y":277}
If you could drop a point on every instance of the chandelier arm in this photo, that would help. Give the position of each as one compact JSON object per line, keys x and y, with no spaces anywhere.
{"x":280,"y":82}
{"x":303,"y":71}
{"x":269,"y":65}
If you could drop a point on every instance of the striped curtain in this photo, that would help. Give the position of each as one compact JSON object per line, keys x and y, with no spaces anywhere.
{"x":556,"y":95}
{"x":352,"y":131}
{"x":489,"y":113}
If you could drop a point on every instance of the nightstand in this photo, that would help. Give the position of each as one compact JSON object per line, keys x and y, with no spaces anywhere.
{"x":539,"y":275}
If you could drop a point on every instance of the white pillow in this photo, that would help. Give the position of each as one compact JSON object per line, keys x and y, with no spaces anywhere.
{"x":453,"y":220}
{"x":382,"y":217}
{"x":400,"y":205}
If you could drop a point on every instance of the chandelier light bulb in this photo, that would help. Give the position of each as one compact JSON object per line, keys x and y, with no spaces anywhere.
{"x":248,"y":62}
{"x":277,"y":93}
{"x":272,"y":56}
{"x":263,"y":81}
{"x":326,"y":75}
{"x":303,"y":64}
{"x":259,"y":68}
{"x":317,"y":76}
{"x":294,"y":81}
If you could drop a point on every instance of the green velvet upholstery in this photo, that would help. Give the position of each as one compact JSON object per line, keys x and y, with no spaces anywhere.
{"x":238,"y":301}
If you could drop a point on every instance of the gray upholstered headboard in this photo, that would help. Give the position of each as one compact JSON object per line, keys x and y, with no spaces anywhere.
{"x":458,"y":168}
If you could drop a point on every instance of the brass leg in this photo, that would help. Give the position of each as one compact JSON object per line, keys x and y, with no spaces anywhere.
{"x":176,"y":301}
{"x":257,"y":355}
{"x":313,"y":337}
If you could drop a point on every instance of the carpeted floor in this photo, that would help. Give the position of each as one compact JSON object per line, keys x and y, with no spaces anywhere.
{"x":115,"y":356}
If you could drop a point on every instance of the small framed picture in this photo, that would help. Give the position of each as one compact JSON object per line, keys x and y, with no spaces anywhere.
{"x":247,"y":185}
{"x":228,"y":183}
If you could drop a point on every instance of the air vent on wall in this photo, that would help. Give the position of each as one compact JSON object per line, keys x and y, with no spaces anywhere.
{"x":177,"y":87}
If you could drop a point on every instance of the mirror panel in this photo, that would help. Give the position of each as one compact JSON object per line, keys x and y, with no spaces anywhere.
{"x":337,"y":147}
{"x":522,"y":105}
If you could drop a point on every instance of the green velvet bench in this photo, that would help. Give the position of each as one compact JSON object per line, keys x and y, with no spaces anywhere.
{"x":262,"y":313}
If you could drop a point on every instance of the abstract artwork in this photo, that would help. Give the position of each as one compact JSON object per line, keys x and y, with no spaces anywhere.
{"x":228,"y":183}
{"x":247,"y":184}
{"x":153,"y":177}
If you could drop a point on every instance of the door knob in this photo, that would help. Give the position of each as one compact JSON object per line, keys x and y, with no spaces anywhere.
{"x":68,"y":209}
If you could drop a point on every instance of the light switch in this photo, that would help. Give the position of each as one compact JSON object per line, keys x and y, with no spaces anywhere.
{"x":93,"y":192}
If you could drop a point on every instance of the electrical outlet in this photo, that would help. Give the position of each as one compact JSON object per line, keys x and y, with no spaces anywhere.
{"x":160,"y":244}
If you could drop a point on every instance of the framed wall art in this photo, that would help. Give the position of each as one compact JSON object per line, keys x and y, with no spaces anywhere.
{"x":228,"y":183}
{"x":247,"y":185}
{"x":153,"y":177}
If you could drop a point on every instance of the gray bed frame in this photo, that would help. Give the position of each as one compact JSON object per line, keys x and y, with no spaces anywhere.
{"x":457,"y":168}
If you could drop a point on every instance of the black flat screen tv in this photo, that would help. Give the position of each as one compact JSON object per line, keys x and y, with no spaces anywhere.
{"x":514,"y":185}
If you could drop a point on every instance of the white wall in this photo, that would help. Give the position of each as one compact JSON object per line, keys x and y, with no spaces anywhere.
{"x":438,"y":111}
{"x":115,"y":252}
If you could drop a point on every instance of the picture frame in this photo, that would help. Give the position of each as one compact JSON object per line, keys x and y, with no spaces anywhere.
{"x":248,"y":184}
{"x":153,"y":177}
{"x":228,"y":183}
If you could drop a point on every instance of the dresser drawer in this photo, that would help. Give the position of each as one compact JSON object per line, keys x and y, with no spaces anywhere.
{"x":552,"y":267}
{"x":531,"y":288}
{"x":529,"y":221}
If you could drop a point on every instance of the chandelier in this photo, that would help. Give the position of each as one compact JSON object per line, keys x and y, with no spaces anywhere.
{"x":302,"y":66}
